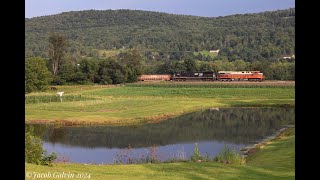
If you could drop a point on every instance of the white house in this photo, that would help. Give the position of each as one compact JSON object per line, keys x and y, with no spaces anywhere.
{"x":288,"y":57}
{"x":215,"y":51}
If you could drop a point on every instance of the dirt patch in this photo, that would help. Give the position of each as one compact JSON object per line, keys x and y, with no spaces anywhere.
{"x":125,"y":122}
{"x":38,"y":121}
{"x":64,"y":122}
{"x":158,"y":118}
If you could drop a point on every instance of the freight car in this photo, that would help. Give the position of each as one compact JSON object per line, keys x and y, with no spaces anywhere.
{"x":203,"y":76}
{"x":150,"y":77}
{"x":240,"y":76}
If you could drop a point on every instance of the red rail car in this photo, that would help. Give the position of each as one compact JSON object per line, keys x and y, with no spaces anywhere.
{"x":150,"y":77}
{"x":240,"y":75}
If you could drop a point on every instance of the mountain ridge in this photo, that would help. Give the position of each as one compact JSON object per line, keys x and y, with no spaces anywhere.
{"x":250,"y":37}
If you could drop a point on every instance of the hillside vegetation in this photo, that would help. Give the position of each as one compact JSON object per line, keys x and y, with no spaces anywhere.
{"x":267,"y":35}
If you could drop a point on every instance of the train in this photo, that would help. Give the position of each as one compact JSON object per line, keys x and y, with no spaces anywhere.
{"x":206,"y":76}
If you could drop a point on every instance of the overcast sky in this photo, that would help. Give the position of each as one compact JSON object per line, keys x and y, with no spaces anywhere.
{"x":209,"y":8}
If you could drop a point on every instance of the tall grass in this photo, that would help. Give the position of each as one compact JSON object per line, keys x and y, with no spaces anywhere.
{"x":55,"y":98}
{"x":229,"y":156}
{"x":226,"y":156}
{"x":179,"y":156}
{"x":196,"y":156}
{"x":126,"y":156}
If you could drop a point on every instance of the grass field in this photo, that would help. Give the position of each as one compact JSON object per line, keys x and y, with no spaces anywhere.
{"x":273,"y":161}
{"x":108,"y":53}
{"x":206,"y":53}
{"x":141,"y":103}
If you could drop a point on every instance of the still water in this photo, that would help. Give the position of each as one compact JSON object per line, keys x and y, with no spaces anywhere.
{"x":169,"y":139}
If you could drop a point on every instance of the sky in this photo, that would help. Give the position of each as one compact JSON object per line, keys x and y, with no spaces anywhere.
{"x":208,"y":8}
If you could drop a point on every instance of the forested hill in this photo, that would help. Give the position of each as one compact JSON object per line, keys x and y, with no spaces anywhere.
{"x":266,"y":35}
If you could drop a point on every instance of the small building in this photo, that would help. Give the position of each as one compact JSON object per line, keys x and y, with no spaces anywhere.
{"x":288,"y":57}
{"x":215,"y":51}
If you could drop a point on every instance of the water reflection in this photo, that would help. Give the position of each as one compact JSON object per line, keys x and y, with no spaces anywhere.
{"x":210,"y":128}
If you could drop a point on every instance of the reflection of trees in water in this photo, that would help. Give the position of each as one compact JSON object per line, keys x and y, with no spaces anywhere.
{"x":234,"y":125}
{"x":48,"y":132}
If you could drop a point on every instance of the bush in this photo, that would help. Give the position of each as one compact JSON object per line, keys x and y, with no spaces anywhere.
{"x":35,"y":153}
{"x":37,"y":75}
{"x":33,"y":149}
{"x":47,"y":159}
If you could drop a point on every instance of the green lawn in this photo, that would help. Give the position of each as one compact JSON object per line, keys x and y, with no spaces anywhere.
{"x":136,"y":104}
{"x":273,"y":161}
{"x":206,"y":53}
{"x":108,"y":53}
{"x":265,"y":157}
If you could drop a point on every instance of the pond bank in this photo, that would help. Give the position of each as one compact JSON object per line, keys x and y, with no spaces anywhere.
{"x":247,"y":151}
{"x":135,"y":121}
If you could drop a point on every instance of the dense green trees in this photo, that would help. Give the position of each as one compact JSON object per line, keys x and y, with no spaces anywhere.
{"x":37,"y":75}
{"x":132,"y":62}
{"x":267,"y":35}
{"x":283,"y":71}
{"x":89,"y":68}
{"x":110,"y":72}
{"x":126,"y":67}
{"x":121,"y":68}
{"x":190,"y":64}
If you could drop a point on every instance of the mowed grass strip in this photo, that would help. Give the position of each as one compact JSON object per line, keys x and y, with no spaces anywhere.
{"x":198,"y":92}
{"x":132,"y":105}
{"x":274,"y":161}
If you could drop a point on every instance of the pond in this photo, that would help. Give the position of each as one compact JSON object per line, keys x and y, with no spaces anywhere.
{"x":174,"y":138}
